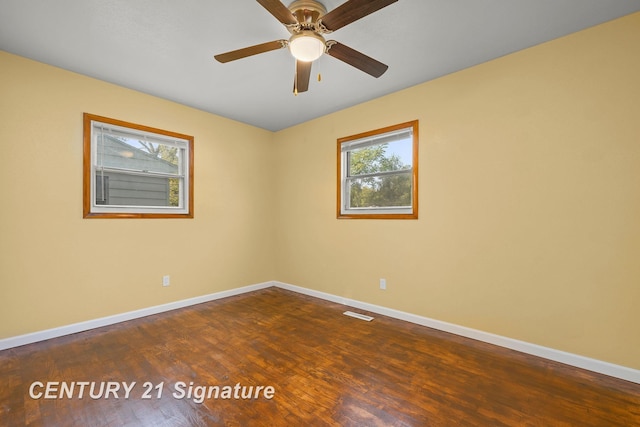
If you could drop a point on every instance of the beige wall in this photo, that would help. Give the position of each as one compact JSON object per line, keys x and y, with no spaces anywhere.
{"x":57,"y":268}
{"x":529,"y":199}
{"x":529,"y":202}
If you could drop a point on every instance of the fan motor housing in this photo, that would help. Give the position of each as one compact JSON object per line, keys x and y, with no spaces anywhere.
{"x":307,"y":12}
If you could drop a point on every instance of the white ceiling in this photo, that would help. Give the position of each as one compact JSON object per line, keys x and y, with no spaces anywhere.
{"x":166,"y":47}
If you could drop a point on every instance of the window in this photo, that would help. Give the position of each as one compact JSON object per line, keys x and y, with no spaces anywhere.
{"x":134,"y":171}
{"x":378,"y":173}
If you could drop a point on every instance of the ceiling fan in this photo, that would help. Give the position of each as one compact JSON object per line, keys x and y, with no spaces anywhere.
{"x":307,"y":21}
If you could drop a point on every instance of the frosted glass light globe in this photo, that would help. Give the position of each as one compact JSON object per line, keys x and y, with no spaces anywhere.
{"x":306,"y":46}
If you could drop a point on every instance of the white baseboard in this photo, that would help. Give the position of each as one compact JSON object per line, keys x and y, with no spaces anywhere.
{"x":117,"y":318}
{"x":571,"y":359}
{"x":578,"y":361}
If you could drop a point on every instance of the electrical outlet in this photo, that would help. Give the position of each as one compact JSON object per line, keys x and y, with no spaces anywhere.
{"x":383,"y":283}
{"x":166,"y":280}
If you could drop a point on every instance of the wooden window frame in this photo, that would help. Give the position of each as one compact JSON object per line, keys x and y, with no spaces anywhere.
{"x":88,"y":170}
{"x":342,"y":212}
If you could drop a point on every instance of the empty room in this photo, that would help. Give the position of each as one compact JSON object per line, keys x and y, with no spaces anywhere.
{"x":320,"y":213}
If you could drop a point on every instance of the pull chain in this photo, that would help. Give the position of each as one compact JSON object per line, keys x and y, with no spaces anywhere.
{"x":295,"y":79}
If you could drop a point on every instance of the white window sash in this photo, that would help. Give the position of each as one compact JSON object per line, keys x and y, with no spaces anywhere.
{"x":99,"y":130}
{"x":347,"y":147}
{"x":384,"y":138}
{"x":118,"y":131}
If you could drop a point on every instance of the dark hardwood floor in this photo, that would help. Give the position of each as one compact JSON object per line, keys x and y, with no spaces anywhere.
{"x":325,"y":369}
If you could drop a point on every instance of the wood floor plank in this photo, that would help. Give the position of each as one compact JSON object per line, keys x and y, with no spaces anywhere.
{"x":326,"y":369}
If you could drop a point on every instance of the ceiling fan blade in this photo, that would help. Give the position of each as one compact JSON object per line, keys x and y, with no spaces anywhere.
{"x":251,"y":50}
{"x":303,"y":74}
{"x":280,"y":11}
{"x":351,"y":11}
{"x":356,"y":59}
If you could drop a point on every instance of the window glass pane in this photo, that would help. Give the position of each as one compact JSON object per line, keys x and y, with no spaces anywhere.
{"x":134,"y":154}
{"x":380,"y":191}
{"x":135,"y":189}
{"x":389,"y":156}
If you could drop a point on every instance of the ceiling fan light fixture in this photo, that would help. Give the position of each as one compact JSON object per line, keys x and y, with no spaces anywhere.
{"x":307,"y":46}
